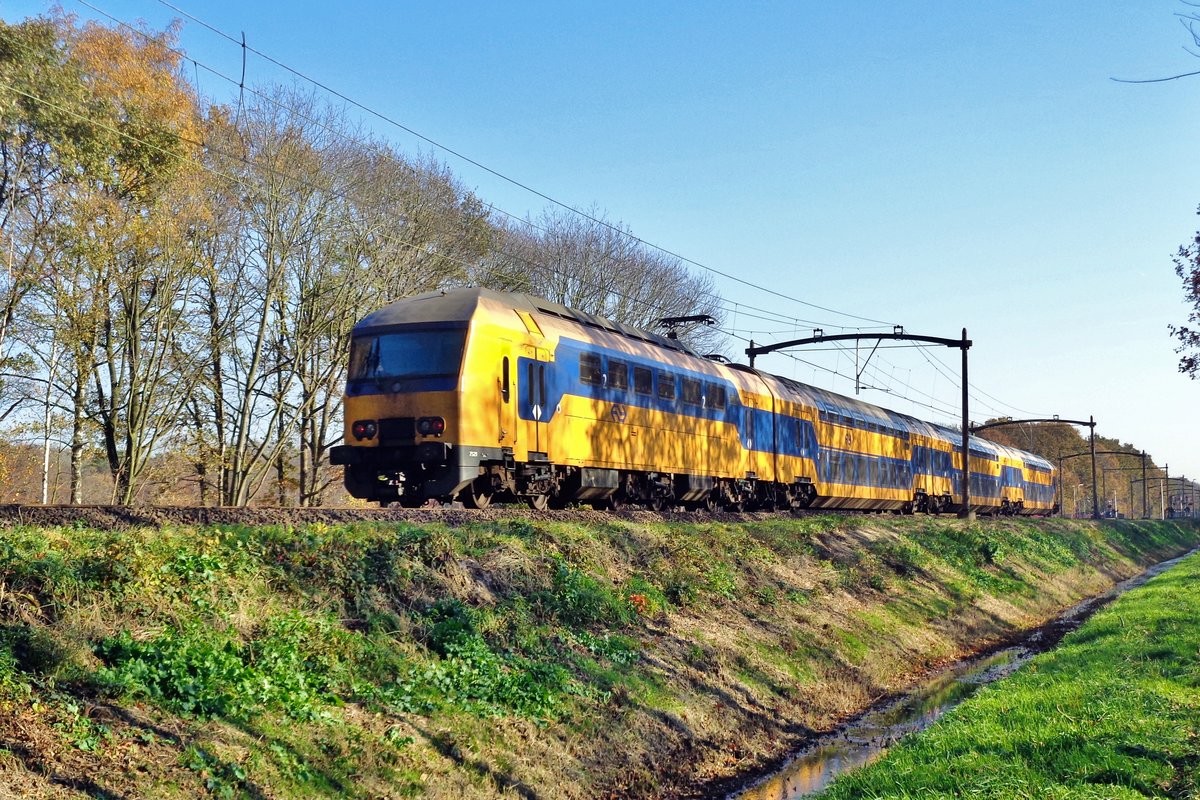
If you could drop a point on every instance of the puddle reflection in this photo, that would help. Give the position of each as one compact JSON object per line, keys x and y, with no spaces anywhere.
{"x":866,"y":739}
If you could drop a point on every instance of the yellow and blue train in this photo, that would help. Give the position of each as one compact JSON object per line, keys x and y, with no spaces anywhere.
{"x":477,"y":395}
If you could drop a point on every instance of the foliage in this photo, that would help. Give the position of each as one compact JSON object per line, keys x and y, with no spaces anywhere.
{"x":293,"y":667}
{"x":579,"y":599}
{"x":1187,"y":267}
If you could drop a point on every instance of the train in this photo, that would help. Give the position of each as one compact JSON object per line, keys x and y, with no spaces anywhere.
{"x":480,"y":396}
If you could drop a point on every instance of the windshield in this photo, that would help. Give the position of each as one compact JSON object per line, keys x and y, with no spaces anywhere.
{"x":406,"y":354}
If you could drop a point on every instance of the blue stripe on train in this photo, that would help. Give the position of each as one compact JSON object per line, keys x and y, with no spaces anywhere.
{"x":796,"y":437}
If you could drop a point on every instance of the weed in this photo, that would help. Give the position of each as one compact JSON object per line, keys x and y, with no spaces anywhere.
{"x":619,"y":650}
{"x":799,"y":596}
{"x":31,"y":649}
{"x":654,"y":601}
{"x":223,"y":779}
{"x":13,"y":685}
{"x":473,"y":677}
{"x":721,"y":581}
{"x":901,"y":557}
{"x":767,"y":595}
{"x":81,"y":731}
{"x":577,"y":598}
{"x":294,"y":666}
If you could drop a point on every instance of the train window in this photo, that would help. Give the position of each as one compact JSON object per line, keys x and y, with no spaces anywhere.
{"x":666,"y":386}
{"x":618,"y":374}
{"x":716,"y":396}
{"x":690,"y":391}
{"x":406,"y":354}
{"x":505,"y":389}
{"x":643,"y":380}
{"x":589,"y":369}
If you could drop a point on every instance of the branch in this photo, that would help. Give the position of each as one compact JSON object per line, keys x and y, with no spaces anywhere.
{"x":1158,"y":80}
{"x":12,"y":408}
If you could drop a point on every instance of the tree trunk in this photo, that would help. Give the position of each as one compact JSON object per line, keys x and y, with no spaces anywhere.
{"x":77,"y":419}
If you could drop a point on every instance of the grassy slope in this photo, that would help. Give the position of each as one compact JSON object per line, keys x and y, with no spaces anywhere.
{"x":515,"y":658}
{"x":1114,"y":712}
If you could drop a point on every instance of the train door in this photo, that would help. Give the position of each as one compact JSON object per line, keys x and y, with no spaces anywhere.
{"x":536,"y":398}
{"x":508,"y":402}
{"x":774,"y":410}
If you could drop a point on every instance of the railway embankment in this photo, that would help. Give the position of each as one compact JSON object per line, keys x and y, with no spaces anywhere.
{"x":498,"y":655}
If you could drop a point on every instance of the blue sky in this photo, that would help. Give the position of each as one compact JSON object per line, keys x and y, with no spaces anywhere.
{"x":939,"y":165}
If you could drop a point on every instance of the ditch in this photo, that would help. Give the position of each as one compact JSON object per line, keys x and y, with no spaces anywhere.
{"x":869,"y":736}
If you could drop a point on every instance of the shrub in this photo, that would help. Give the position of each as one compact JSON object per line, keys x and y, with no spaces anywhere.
{"x":577,"y":598}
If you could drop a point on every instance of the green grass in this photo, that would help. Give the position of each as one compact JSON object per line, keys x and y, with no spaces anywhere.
{"x":391,"y":659}
{"x":1113,"y":712}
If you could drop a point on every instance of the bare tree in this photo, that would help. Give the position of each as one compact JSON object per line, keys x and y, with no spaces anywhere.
{"x":589,"y":264}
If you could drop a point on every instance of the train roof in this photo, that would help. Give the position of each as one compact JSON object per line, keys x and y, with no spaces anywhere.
{"x":456,"y":305}
{"x":449,"y":305}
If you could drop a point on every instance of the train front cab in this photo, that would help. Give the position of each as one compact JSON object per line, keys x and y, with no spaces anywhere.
{"x":431,"y":397}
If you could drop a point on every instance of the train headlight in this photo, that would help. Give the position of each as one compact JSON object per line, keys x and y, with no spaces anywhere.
{"x":431,"y":426}
{"x":364,"y":429}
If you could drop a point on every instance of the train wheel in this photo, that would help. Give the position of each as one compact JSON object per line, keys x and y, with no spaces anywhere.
{"x":660,"y":503}
{"x":539,"y":502}
{"x":477,"y":495}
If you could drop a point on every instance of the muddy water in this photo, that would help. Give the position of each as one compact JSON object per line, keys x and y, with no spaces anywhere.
{"x":868,"y":737}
